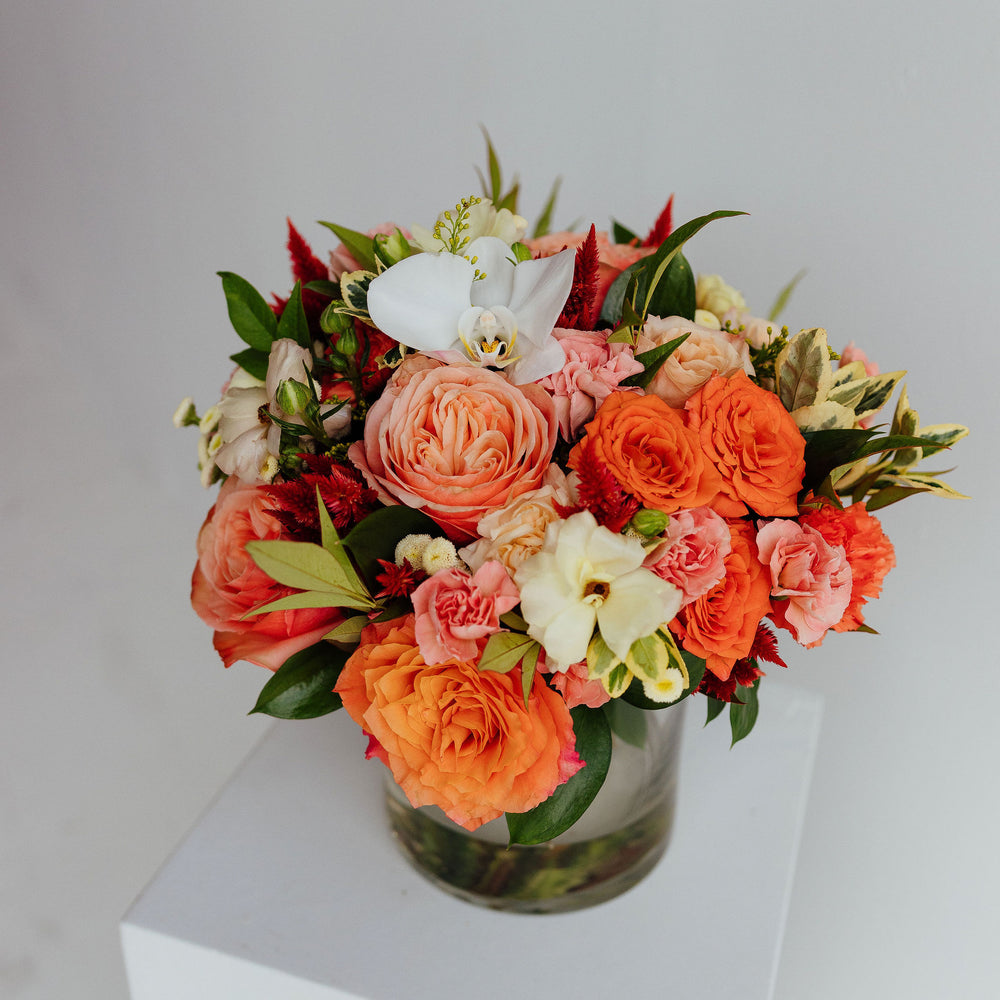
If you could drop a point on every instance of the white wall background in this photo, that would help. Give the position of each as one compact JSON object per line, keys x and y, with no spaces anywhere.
{"x":147,"y":145}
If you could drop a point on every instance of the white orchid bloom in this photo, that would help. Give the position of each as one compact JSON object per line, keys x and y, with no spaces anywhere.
{"x":479,"y":308}
{"x":586,"y":575}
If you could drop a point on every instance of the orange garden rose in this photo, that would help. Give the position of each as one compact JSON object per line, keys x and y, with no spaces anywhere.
{"x":648,"y":448}
{"x":455,"y":441}
{"x":754,"y":442}
{"x":720,"y":626}
{"x":454,"y":736}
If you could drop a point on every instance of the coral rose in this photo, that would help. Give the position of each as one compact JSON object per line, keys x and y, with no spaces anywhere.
{"x":649,"y":450}
{"x":454,"y":736}
{"x":455,"y":441}
{"x":455,"y":610}
{"x":227,"y":584}
{"x":575,"y":685}
{"x":810,"y":578}
{"x":705,"y":353}
{"x":868,"y":549}
{"x":754,"y":443}
{"x":720,"y":625}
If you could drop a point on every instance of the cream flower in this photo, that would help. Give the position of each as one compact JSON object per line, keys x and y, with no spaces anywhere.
{"x":585,"y":575}
{"x":477,"y":307}
{"x":482,"y":219}
{"x":713,"y":294}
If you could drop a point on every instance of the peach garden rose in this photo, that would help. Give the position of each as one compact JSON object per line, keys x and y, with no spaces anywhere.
{"x":455,"y":441}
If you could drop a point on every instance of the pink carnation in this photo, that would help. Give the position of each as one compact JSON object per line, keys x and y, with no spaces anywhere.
{"x":575,"y":685}
{"x":593,"y":369}
{"x":810,"y":578}
{"x":455,"y":610}
{"x":693,"y":554}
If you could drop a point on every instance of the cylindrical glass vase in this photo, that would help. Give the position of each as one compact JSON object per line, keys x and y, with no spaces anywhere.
{"x":615,"y":844}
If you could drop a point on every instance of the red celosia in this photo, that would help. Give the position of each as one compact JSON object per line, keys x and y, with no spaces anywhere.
{"x":663,"y":226}
{"x":341,"y":488}
{"x":600,"y":493}
{"x":578,"y":313}
{"x":743,"y":674}
{"x":765,"y":647}
{"x":867,"y":547}
{"x":398,"y":581}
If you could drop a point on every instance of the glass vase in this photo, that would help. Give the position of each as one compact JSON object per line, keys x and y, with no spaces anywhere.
{"x":615,"y":844}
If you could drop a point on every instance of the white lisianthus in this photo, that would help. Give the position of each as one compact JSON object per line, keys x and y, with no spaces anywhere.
{"x":250,"y":443}
{"x":586,"y":575}
{"x":478,"y":307}
{"x":482,"y":220}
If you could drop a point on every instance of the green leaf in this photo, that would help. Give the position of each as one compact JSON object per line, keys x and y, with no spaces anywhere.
{"x":783,"y":296}
{"x":330,"y":541}
{"x":348,"y":631}
{"x":656,"y":264}
{"x":293,"y":324}
{"x":302,"y":565}
{"x":311,"y":599}
{"x":803,"y":373}
{"x":493,"y":165}
{"x":570,"y":800}
{"x":378,"y":534}
{"x":249,"y":313}
{"x":253,"y":361}
{"x":675,"y":294}
{"x":331,"y":289}
{"x":654,"y":361}
{"x":528,"y":667}
{"x":544,"y":223}
{"x":302,"y":687}
{"x":622,"y":234}
{"x":627,"y":722}
{"x":715,"y":708}
{"x":620,"y":292}
{"x":743,"y":716}
{"x":514,"y":622}
{"x":828,"y":450}
{"x":505,"y":650}
{"x":360,"y":246}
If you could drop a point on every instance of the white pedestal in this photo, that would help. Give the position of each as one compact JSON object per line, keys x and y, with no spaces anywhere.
{"x":290,"y":887}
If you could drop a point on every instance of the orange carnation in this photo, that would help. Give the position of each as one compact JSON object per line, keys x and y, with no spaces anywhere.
{"x":454,"y":736}
{"x":753,"y":442}
{"x":720,"y":626}
{"x":648,"y":448}
{"x":868,"y":550}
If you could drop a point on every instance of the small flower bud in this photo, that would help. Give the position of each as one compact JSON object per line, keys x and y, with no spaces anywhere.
{"x":649,"y":522}
{"x":185,"y":415}
{"x":347,"y":344}
{"x":292,"y":396}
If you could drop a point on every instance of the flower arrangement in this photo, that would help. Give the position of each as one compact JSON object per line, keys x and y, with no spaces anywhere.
{"x":477,"y":487}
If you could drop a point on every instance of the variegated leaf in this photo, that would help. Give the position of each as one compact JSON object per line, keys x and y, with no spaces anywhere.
{"x":878,"y":389}
{"x":852,"y":372}
{"x":600,"y":659}
{"x":824,"y":416}
{"x":944,"y":436}
{"x":847,"y":393}
{"x":803,"y":373}
{"x":354,"y":290}
{"x":617,"y":681}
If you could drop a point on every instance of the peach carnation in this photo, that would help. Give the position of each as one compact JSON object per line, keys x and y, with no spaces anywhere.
{"x":227,"y":584}
{"x":649,"y":450}
{"x":754,"y":443}
{"x":810,"y":578}
{"x":720,"y":626}
{"x":455,"y":441}
{"x":454,"y":736}
{"x":705,"y":353}
{"x":693,"y":553}
{"x":575,"y":685}
{"x":593,"y":369}
{"x":868,"y":549}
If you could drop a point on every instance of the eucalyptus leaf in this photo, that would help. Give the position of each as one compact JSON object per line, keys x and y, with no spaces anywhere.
{"x":570,"y":800}
{"x":251,"y":316}
{"x":302,"y":687}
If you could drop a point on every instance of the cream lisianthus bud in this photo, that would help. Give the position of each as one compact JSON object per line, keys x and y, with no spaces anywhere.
{"x":713,"y":294}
